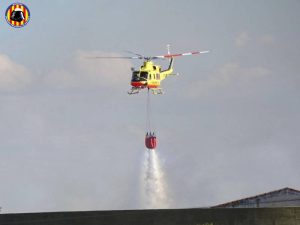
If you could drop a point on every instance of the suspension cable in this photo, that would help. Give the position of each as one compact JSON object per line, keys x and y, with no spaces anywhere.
{"x":148,"y":112}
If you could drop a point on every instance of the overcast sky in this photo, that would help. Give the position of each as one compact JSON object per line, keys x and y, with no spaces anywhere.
{"x":228,"y":126}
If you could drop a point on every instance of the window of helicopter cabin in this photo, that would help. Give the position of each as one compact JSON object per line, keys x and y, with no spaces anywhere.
{"x":135,"y":76}
{"x":144,"y":75}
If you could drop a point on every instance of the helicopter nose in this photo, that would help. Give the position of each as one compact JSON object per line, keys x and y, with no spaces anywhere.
{"x":137,"y":84}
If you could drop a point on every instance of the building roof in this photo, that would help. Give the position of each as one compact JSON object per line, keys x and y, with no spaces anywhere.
{"x":293,"y":195}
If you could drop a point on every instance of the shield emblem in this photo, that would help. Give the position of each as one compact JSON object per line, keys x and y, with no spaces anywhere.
{"x":17,"y":15}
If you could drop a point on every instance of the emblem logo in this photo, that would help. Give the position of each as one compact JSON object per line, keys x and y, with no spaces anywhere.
{"x":17,"y":15}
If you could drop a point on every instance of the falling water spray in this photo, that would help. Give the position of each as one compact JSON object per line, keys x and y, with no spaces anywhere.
{"x":154,"y":188}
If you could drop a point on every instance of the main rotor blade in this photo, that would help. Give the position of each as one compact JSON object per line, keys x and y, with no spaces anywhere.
{"x":115,"y":57}
{"x":134,"y":53}
{"x":179,"y":54}
{"x":138,"y":56}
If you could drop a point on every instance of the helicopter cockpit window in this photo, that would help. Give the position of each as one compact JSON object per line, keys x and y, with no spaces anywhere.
{"x":144,"y":75}
{"x":135,"y":73}
{"x":139,"y":76}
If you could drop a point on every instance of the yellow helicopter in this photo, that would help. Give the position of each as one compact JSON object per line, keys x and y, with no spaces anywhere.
{"x":150,"y":75}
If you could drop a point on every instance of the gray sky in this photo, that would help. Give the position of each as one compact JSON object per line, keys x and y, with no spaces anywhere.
{"x":228,"y":126}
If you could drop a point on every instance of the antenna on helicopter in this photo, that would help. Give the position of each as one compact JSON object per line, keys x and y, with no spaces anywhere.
{"x":168,"y":49}
{"x":169,"y":52}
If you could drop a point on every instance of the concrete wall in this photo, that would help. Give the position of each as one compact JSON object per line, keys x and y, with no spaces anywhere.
{"x":254,"y":216}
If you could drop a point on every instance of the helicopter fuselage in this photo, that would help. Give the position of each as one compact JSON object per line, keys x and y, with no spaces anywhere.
{"x":149,"y":75}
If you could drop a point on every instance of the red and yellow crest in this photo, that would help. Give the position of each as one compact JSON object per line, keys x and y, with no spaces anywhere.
{"x":17,"y":15}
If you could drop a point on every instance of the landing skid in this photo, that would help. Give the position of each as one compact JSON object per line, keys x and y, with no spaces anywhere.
{"x":134,"y":90}
{"x":157,"y":91}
